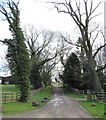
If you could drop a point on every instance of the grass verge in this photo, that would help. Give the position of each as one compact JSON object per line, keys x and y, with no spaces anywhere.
{"x":97,"y":110}
{"x":18,"y":107}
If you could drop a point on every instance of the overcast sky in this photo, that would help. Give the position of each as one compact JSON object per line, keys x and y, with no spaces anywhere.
{"x":42,"y":16}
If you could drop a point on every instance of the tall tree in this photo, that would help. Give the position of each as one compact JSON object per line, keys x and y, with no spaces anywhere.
{"x":72,"y":72}
{"x":17,"y":55}
{"x":39,"y":53}
{"x":47,"y":73}
{"x":82,"y":20}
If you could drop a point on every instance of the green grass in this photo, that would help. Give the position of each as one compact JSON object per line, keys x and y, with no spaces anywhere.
{"x":18,"y":107}
{"x":9,"y":88}
{"x":46,"y":92}
{"x":97,"y":110}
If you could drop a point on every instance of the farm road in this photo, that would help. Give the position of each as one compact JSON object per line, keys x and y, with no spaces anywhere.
{"x":60,"y":106}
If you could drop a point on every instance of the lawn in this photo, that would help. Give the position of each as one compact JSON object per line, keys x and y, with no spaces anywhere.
{"x":18,"y":107}
{"x":9,"y":88}
{"x":97,"y":110}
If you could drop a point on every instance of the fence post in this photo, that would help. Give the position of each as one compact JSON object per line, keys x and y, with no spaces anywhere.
{"x":11,"y":97}
{"x":94,"y":98}
{"x":83,"y":93}
{"x":5,"y":97}
{"x":17,"y":96}
{"x":88,"y":95}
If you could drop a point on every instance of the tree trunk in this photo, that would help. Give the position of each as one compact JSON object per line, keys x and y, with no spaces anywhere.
{"x":94,"y":76}
{"x":88,"y":95}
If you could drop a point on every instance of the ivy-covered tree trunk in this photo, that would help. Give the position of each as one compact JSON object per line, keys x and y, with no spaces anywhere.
{"x":17,"y":55}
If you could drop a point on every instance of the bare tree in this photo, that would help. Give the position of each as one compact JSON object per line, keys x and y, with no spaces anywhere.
{"x":38,"y":43}
{"x":82,"y":16}
{"x":65,"y":47}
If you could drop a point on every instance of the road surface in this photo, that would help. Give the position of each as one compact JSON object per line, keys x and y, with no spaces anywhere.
{"x":60,"y":106}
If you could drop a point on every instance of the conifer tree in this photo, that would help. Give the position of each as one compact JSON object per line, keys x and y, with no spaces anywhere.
{"x":71,"y":73}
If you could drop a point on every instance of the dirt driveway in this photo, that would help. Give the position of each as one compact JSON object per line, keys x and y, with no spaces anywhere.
{"x":60,"y":106}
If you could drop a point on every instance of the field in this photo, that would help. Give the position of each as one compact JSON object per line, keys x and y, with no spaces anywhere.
{"x":9,"y":88}
{"x":19,"y":107}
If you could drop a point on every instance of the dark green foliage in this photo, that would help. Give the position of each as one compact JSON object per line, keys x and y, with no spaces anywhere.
{"x":39,"y":76}
{"x":38,"y":65}
{"x":35,"y":77}
{"x":46,"y":78}
{"x":86,"y":78}
{"x":72,"y":71}
{"x":17,"y":56}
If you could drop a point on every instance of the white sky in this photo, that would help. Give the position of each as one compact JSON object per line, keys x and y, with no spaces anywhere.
{"x":40,"y":15}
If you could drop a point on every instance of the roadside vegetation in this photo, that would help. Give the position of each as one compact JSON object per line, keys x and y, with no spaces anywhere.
{"x":95,"y":108}
{"x":19,"y":107}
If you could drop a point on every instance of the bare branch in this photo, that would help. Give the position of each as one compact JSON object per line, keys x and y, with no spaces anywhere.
{"x":67,"y":39}
{"x":91,"y":7}
{"x":99,"y":50}
{"x":95,"y":38}
{"x":94,"y":16}
{"x":95,"y":8}
{"x":79,"y":12}
{"x":102,"y":68}
{"x":46,"y":60}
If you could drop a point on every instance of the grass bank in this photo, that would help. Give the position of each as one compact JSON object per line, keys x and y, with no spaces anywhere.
{"x":18,"y":107}
{"x":97,"y":110}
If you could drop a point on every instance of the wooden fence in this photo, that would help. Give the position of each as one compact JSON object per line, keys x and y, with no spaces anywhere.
{"x":9,"y":97}
{"x":94,"y":95}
